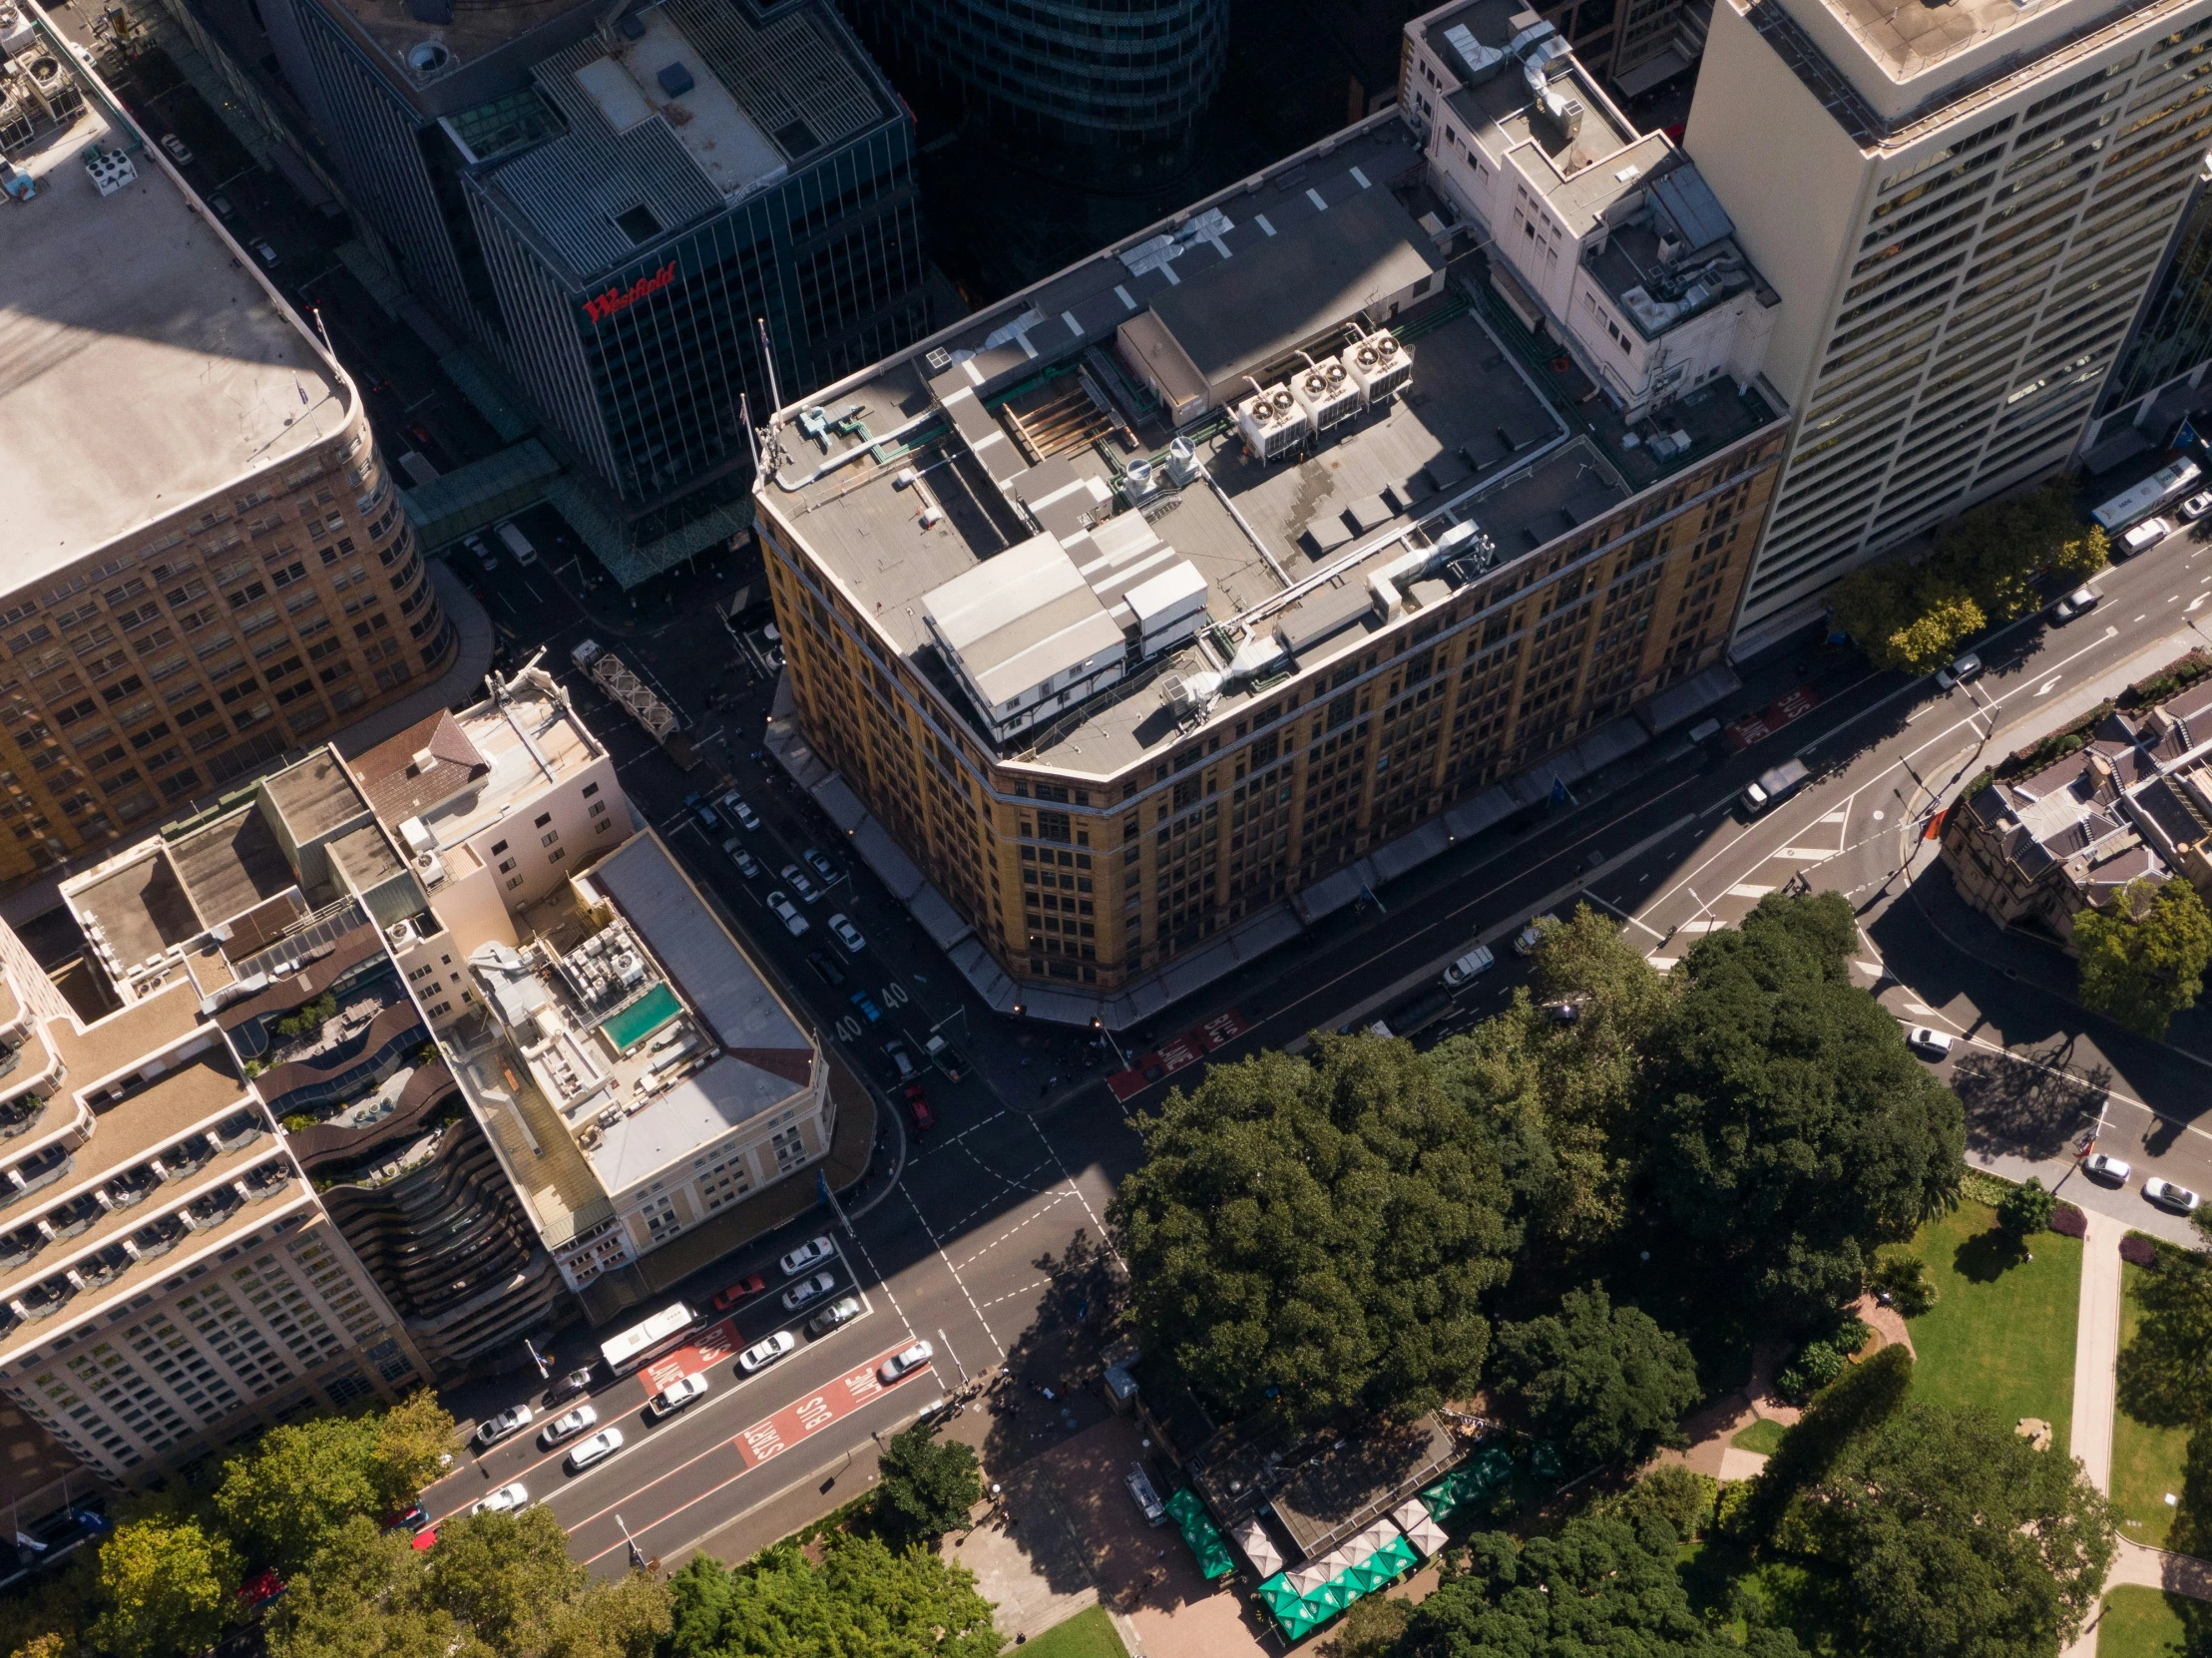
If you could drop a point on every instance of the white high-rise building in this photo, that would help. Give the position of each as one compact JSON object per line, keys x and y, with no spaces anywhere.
{"x":1961,"y":207}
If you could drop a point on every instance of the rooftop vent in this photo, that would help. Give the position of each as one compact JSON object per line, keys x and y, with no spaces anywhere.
{"x":676,"y":80}
{"x":110,"y":170}
{"x":429,"y":58}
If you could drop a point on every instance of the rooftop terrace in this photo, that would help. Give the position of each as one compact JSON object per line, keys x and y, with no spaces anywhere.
{"x":141,"y":367}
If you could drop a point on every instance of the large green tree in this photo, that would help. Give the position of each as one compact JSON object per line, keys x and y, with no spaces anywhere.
{"x":1317,"y":1231}
{"x":1788,"y":1129}
{"x":165,"y":1587}
{"x":284,"y":1499}
{"x":929,"y":1484}
{"x":2165,"y":1371}
{"x":2142,"y":960}
{"x":1605,"y":1584}
{"x":1959,"y":1539}
{"x":861,"y":1599}
{"x":1604,"y":1382}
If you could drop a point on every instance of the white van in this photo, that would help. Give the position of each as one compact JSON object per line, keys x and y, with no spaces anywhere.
{"x":1476,"y":960}
{"x":2144,"y":536}
{"x":517,"y":543}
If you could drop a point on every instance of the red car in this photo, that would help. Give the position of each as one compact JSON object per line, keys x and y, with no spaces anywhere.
{"x":743,"y":1289}
{"x":918,"y":1104}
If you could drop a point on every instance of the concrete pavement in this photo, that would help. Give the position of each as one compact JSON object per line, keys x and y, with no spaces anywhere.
{"x":2097,"y":1349}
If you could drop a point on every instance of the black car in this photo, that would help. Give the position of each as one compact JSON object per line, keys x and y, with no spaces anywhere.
{"x":576,"y":1381}
{"x":833,"y":973}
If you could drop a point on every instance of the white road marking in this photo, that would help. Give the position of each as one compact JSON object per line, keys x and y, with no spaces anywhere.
{"x":1917,"y":1007}
{"x":1665,"y":964}
{"x":2047,"y":686}
{"x":1813,"y":855}
{"x":1744,"y":889}
{"x":1703,"y":924}
{"x":1873,"y":969}
{"x":2192,"y":604}
{"x":1833,"y":817}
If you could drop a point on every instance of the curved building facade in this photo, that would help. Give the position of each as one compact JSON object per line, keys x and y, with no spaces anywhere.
{"x":1133,"y":73}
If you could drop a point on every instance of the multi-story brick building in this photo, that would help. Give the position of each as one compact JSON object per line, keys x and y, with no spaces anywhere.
{"x":207,"y":563}
{"x":1163,"y":596}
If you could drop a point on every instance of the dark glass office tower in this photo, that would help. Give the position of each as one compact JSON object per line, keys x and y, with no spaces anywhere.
{"x":605,"y":198}
{"x":2173,"y":335}
{"x":1126,"y":73}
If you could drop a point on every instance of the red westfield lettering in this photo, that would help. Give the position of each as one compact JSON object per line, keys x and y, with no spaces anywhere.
{"x":601,"y":306}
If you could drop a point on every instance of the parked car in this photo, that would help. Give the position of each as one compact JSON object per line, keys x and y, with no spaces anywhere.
{"x":1145,"y":1496}
{"x":747,"y":865}
{"x":568,"y":1425}
{"x":1476,"y":960}
{"x":1960,"y":669}
{"x":505,"y":1501}
{"x":795,"y":878}
{"x":734,"y":804}
{"x":484,"y":555}
{"x":597,"y":1448}
{"x":1525,"y":941}
{"x":766,"y":1351}
{"x":1566,"y":1011}
{"x":866,"y":1003}
{"x":903,"y":1362}
{"x":847,"y":934}
{"x":820,"y":866}
{"x":2197,"y":506}
{"x":917,"y":1105}
{"x":831,"y":974}
{"x":576,"y":1381}
{"x":793,"y":922}
{"x":731,"y":1294}
{"x":1929,"y":1043}
{"x":492,"y":1430}
{"x":179,"y":151}
{"x":704,"y":809}
{"x":2141,"y":538}
{"x":222,"y":206}
{"x":900,"y":1060}
{"x":674,"y":1397}
{"x":264,"y":253}
{"x":841,"y":1311}
{"x":806,"y":1289}
{"x":2078,"y":602}
{"x":2180,"y":1199}
{"x":2102,"y":1165}
{"x":811,"y":1253}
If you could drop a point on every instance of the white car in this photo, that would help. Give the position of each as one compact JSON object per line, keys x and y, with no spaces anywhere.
{"x":2078,"y":602}
{"x":221,"y":205}
{"x":2180,"y":1199}
{"x":1929,"y":1043}
{"x":847,"y":934}
{"x":674,"y":1397}
{"x":2100,"y":1165}
{"x":179,"y":151}
{"x":811,"y":1253}
{"x":793,"y":922}
{"x":505,"y":1501}
{"x":907,"y":1359}
{"x":820,"y":866}
{"x":1962,"y":670}
{"x":762,"y":1353}
{"x":2197,"y":506}
{"x":569,"y":1425}
{"x":492,"y":1430}
{"x":806,"y":1289}
{"x":747,"y":865}
{"x":598,"y":1448}
{"x":1525,"y":941}
{"x":839,"y":1312}
{"x":734,"y":804}
{"x":795,"y":878}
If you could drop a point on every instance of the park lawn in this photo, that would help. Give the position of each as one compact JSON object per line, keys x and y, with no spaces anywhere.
{"x":2000,"y":1335}
{"x":2146,"y":1460}
{"x":1762,"y":1436}
{"x":2141,"y":1623}
{"x":1089,"y":1634}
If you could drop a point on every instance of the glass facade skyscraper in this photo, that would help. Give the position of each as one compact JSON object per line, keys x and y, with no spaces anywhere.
{"x":2174,"y":338}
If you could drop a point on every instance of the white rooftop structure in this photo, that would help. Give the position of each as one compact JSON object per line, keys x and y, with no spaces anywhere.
{"x":1024,"y":633}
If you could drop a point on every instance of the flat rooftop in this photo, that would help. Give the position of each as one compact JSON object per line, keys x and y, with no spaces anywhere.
{"x":162,"y":893}
{"x":501,"y":750}
{"x":141,"y":367}
{"x":1285,"y":549}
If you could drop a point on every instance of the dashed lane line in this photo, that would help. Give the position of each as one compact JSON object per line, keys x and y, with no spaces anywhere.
{"x":959,"y":1281}
{"x":1010,"y":1231}
{"x":1025,"y":1289}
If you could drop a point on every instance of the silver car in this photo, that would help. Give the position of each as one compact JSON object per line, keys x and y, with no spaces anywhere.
{"x":505,"y":1501}
{"x":793,"y":922}
{"x":598,"y":1448}
{"x":806,"y":1289}
{"x":569,"y":1425}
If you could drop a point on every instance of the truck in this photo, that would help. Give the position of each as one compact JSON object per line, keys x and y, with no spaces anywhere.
{"x":1415,"y":1014}
{"x":517,"y":543}
{"x":946,"y":1058}
{"x":1476,"y":960}
{"x":636,"y":698}
{"x":1773,"y":785}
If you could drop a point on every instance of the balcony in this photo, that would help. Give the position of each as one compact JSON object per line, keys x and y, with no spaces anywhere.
{"x":214,"y":1208}
{"x":20,"y":1247}
{"x":159,"y":1236}
{"x":74,"y":1219}
{"x":21,"y":1114}
{"x":266,"y":1180}
{"x":34,"y":1173}
{"x":104,"y":1267}
{"x":46,"y":1298}
{"x":239,"y":1129}
{"x":133,"y":1187}
{"x":186,"y":1156}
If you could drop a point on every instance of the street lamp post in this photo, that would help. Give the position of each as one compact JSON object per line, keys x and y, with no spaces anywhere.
{"x":637,"y":1560}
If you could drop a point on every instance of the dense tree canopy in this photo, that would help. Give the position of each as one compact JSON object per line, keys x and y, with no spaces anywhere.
{"x":2142,"y":960}
{"x":2165,"y":1371}
{"x":496,"y":1586}
{"x":165,"y":1587}
{"x":1603,"y":1382}
{"x":929,"y":1484}
{"x":861,"y":1601}
{"x":1959,"y":1539}
{"x":1323,"y":1232}
{"x":1788,"y":1128}
{"x":288,"y":1495}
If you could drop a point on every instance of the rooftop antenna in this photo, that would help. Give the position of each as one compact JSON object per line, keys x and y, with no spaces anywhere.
{"x":768,"y":361}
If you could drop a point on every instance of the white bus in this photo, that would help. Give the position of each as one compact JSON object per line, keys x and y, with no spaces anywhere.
{"x":2146,"y":497}
{"x":641,"y":1343}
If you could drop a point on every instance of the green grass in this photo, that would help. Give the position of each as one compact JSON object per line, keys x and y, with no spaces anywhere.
{"x":1762,"y":1436}
{"x":1089,"y":1634}
{"x":2141,"y":1623}
{"x":2146,"y":1460}
{"x":2000,"y":1335}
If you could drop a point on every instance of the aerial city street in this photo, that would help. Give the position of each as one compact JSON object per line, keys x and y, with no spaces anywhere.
{"x":1214,"y":829}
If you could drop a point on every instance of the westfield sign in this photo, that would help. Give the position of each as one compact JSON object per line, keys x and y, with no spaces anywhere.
{"x":601,"y":306}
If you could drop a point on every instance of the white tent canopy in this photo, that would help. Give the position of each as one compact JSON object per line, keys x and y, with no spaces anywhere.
{"x":1413,"y":1518}
{"x":1258,"y":1548}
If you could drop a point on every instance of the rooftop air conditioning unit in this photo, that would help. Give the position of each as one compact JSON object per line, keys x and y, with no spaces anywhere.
{"x":1328,"y":392}
{"x":1380,"y":364}
{"x":1138,"y":483}
{"x":1273,"y":422}
{"x":1182,"y":461}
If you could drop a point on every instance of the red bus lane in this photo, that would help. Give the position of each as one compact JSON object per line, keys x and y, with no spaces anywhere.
{"x":715,"y":1345}
{"x":771,"y":1437}
{"x":1176,"y":1054}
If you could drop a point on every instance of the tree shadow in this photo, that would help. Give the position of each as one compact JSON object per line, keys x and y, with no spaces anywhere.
{"x":1989,"y":1256}
{"x":2028,"y":1110}
{"x":1085,"y":1289}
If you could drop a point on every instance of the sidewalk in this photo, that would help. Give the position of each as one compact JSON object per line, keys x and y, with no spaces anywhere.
{"x":2096,"y":1349}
